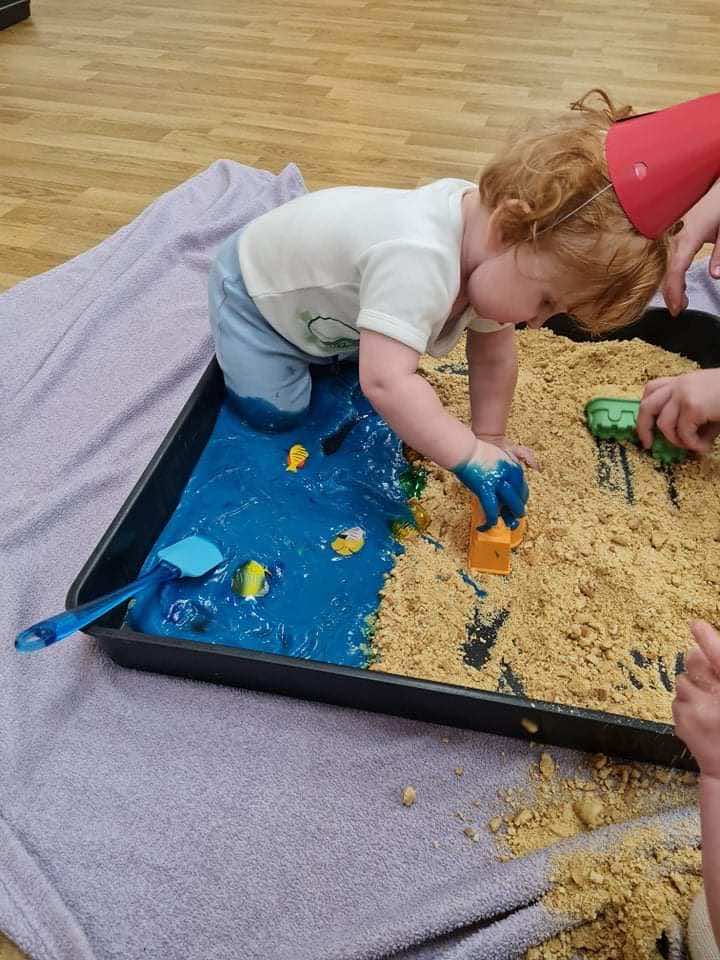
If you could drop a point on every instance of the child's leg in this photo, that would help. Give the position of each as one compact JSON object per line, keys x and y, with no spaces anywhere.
{"x":267,"y":377}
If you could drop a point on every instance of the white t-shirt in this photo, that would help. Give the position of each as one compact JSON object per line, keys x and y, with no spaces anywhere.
{"x":331,"y":263}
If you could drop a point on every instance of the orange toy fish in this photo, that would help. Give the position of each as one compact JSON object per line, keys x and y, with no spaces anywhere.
{"x":297,"y":455}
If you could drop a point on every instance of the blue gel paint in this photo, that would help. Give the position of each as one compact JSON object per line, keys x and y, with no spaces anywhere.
{"x":469,"y":580}
{"x":261,"y":415}
{"x":502,"y":490}
{"x":241,"y":497}
{"x":433,"y":541}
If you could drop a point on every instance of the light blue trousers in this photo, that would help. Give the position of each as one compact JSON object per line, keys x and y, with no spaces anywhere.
{"x":267,"y":376}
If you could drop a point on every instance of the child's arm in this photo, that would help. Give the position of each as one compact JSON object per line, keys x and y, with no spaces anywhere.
{"x":696,"y":711}
{"x":492,"y":372}
{"x":390,"y":381}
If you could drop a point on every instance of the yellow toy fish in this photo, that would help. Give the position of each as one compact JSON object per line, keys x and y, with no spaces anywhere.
{"x":250,"y":580}
{"x":296,"y":457}
{"x":402,"y":530}
{"x":349,"y":541}
{"x":422,"y":517}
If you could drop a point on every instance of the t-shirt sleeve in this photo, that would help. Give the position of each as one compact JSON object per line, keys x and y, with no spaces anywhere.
{"x":481,"y":324}
{"x":406,"y":291}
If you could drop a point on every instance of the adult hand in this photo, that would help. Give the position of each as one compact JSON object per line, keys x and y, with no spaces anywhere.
{"x":696,"y":708}
{"x":685,"y":408}
{"x":701,"y":224}
{"x":497,"y":480}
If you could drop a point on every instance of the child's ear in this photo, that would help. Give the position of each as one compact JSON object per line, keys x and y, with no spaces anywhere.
{"x":506,"y":225}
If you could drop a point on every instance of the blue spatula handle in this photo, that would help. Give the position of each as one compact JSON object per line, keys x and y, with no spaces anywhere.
{"x":49,"y":631}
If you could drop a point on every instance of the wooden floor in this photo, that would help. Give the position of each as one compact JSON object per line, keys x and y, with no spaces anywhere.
{"x":103,"y":106}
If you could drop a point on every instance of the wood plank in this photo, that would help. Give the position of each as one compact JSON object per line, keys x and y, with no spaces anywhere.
{"x":104,"y":107}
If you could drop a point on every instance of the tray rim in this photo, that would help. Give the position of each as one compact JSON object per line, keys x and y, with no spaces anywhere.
{"x":115,"y":640}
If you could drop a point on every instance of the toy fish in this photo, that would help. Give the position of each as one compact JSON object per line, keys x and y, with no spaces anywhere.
{"x":296,"y":457}
{"x":349,"y":541}
{"x":422,"y":517}
{"x":402,"y":530}
{"x":250,"y":580}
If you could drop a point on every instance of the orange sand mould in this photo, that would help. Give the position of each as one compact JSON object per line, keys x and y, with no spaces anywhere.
{"x":489,"y":550}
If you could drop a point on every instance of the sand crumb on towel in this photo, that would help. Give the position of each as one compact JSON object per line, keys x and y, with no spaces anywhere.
{"x":600,"y":793}
{"x":623,"y":900}
{"x":619,"y":901}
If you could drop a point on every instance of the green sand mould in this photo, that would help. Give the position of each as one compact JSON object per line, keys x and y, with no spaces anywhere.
{"x":616,"y":419}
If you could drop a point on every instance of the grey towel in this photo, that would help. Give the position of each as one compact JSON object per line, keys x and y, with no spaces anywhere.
{"x":147,"y":817}
{"x":703,"y":292}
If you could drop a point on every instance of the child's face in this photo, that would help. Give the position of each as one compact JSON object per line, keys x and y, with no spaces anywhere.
{"x":508,"y":284}
{"x":517,"y":286}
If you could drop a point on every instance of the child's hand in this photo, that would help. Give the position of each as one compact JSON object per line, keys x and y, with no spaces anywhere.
{"x":685,"y":408}
{"x":516,"y":450}
{"x":696,"y":709}
{"x":525,"y":455}
{"x":497,"y":480}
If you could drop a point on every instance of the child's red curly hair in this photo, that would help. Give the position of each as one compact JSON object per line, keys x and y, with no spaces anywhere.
{"x":553,"y":168}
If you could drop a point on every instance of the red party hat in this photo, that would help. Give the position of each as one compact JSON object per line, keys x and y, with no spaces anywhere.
{"x":662,"y":163}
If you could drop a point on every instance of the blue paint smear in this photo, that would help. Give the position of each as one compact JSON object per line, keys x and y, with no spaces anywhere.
{"x":469,"y":580}
{"x":433,"y":541}
{"x":241,"y":497}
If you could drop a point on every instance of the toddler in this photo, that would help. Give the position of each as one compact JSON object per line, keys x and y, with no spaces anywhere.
{"x":696,"y":712}
{"x":393,"y":274}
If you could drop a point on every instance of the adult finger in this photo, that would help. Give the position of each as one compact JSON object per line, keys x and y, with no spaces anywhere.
{"x":699,"y":670}
{"x":676,"y":709}
{"x":652,"y":385}
{"x":679,"y":708}
{"x":714,"y":265}
{"x":689,"y":422}
{"x":667,"y":419}
{"x":650,"y":407}
{"x":673,"y":291}
{"x":708,"y":432}
{"x":682,"y":253}
{"x":683,"y":248}
{"x":704,"y":441}
{"x":683,"y":689}
{"x":708,"y":640}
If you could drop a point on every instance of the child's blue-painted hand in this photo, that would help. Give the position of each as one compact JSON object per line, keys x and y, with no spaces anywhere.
{"x":497,"y":481}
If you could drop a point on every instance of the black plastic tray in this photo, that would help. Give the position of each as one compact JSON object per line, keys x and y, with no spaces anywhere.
{"x":123,"y":549}
{"x":13,"y":11}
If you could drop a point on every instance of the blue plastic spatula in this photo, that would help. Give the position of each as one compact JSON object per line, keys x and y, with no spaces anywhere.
{"x":191,"y":557}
